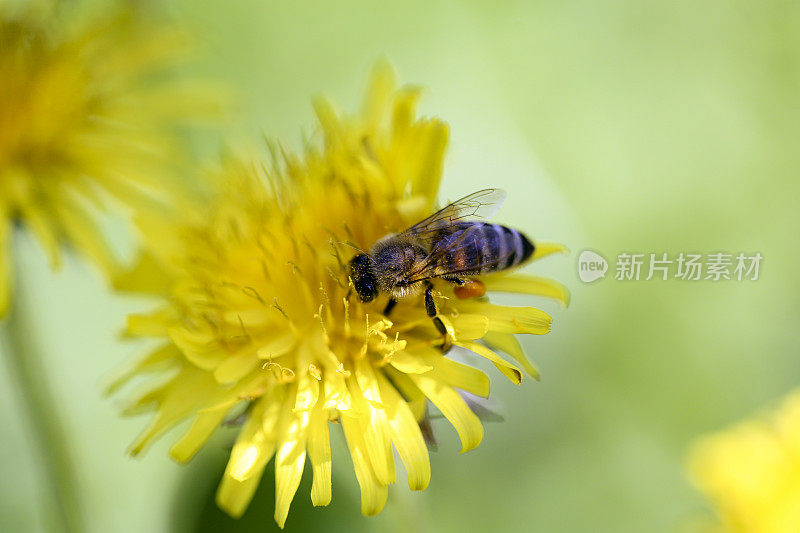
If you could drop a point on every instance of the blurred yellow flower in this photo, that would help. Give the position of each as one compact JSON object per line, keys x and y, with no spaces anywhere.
{"x":83,"y":116}
{"x":258,"y":310}
{"x":751,"y":472}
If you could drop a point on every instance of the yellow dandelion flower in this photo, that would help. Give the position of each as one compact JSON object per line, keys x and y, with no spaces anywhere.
{"x":83,"y":117}
{"x":751,"y":472}
{"x":260,"y":310}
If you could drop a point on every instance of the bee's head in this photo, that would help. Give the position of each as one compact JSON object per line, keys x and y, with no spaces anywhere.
{"x":360,"y":271}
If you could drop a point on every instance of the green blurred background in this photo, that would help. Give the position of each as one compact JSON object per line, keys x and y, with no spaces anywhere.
{"x":621,"y":126}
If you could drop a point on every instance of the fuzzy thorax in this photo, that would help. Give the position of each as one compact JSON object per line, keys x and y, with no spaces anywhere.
{"x":395,"y":260}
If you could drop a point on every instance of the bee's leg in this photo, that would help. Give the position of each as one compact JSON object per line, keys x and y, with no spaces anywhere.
{"x":389,"y":306}
{"x":430,"y":304}
{"x":446,"y":343}
{"x":454,"y":280}
{"x":430,"y":307}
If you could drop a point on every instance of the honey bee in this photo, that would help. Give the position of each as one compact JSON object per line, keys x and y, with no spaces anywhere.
{"x":447,"y":245}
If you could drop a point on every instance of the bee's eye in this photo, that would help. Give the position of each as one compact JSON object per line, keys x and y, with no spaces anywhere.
{"x":366,"y":296}
{"x":363,"y":278}
{"x":366,"y":289}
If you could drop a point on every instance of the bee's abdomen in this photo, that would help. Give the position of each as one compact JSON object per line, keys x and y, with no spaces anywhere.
{"x":502,"y":247}
{"x":487,"y":248}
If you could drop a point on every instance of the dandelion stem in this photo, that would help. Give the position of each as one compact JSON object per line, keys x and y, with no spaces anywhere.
{"x":42,"y":413}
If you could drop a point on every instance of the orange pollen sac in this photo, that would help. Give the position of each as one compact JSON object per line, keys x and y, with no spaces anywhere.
{"x":471,"y":288}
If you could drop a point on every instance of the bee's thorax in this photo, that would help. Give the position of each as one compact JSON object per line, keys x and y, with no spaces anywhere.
{"x":395,"y":260}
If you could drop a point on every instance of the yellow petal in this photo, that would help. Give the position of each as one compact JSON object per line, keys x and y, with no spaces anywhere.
{"x":154,"y":324}
{"x":83,"y":233}
{"x":364,"y":388}
{"x":413,"y":208}
{"x":251,"y":318}
{"x":542,"y":249}
{"x":198,"y":434}
{"x":257,"y":441}
{"x":225,"y":398}
{"x":153,"y":360}
{"x":289,"y":461}
{"x":200,"y":348}
{"x":409,"y":364}
{"x":147,"y":276}
{"x":505,"y":319}
{"x":43,"y":227}
{"x":319,"y":453}
{"x":250,"y":454}
{"x":176,"y":399}
{"x":278,"y":345}
{"x":405,"y":107}
{"x":161,"y":48}
{"x":236,"y":367}
{"x":509,"y":344}
{"x":233,"y":495}
{"x":510,"y":371}
{"x":253,"y":449}
{"x":525,"y":284}
{"x":210,"y":416}
{"x":406,"y":436}
{"x":429,"y":157}
{"x":380,"y":89}
{"x":336,"y":395}
{"x":469,"y":327}
{"x":458,"y":375}
{"x":373,"y":493}
{"x":164,"y":244}
{"x":453,"y":407}
{"x":307,"y":393}
{"x":328,"y":118}
{"x":417,"y":401}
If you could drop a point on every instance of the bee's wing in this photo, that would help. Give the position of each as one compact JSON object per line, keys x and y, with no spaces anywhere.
{"x":480,"y":204}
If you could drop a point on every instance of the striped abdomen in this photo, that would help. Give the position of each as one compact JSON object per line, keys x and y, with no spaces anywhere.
{"x":481,"y":248}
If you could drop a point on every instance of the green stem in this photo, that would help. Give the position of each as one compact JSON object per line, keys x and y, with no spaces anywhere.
{"x":42,"y":414}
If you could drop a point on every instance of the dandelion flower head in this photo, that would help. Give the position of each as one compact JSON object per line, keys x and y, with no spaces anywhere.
{"x":84,"y":117}
{"x":751,"y":472}
{"x":259,"y":310}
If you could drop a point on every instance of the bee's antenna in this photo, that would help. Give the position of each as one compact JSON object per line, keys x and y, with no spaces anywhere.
{"x":354,"y":247}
